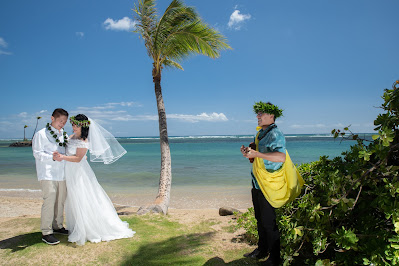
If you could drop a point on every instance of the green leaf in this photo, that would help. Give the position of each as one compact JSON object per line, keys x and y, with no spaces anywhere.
{"x":396,"y":225}
{"x":346,"y":239}
{"x":325,"y":262}
{"x":375,"y":137}
{"x":365,"y":155}
{"x":298,"y":230}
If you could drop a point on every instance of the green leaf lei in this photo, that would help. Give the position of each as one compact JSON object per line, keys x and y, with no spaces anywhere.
{"x":63,"y":144}
{"x":268,"y":109}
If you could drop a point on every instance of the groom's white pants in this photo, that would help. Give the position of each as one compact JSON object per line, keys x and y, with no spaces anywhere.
{"x":54,"y":194}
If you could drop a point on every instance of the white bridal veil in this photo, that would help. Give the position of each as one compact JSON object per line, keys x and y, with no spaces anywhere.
{"x":103,"y":146}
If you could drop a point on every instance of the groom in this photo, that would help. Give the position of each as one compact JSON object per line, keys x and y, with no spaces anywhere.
{"x":50,"y":173}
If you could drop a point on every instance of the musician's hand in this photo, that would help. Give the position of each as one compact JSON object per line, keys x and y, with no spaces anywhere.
{"x":250,"y":154}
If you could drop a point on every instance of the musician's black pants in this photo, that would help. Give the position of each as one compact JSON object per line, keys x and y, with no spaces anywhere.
{"x":269,"y":236}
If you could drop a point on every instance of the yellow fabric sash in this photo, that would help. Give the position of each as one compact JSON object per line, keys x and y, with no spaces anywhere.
{"x":281,"y":186}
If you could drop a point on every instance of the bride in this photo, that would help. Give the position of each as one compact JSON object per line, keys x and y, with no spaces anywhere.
{"x":90,"y":214}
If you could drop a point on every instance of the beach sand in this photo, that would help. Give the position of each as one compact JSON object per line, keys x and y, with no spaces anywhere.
{"x":182,"y":197}
{"x":14,"y":206}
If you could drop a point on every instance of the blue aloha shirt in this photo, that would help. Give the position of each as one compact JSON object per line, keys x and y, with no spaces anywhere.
{"x":274,"y":141}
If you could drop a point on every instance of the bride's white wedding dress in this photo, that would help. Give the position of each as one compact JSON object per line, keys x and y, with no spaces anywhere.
{"x":90,"y":214}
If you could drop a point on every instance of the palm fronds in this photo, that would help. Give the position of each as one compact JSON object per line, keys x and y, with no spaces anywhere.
{"x":170,"y":63}
{"x":146,"y":22}
{"x":179,"y":33}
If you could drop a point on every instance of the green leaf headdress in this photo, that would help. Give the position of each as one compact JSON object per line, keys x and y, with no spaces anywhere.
{"x":83,"y":123}
{"x":268,"y":108}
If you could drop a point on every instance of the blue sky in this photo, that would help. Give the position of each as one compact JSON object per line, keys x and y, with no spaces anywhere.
{"x":325,"y":63}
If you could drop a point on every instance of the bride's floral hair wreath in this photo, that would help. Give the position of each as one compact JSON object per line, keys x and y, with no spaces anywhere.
{"x":268,"y":108}
{"x":79,"y":123}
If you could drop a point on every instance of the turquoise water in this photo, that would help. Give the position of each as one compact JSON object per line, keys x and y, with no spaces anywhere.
{"x":211,"y":161}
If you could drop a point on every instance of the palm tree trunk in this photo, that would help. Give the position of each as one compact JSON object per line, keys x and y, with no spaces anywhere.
{"x":162,"y":200}
{"x":37,"y":121}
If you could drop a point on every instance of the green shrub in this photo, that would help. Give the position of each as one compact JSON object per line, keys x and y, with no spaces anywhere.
{"x":248,"y":222}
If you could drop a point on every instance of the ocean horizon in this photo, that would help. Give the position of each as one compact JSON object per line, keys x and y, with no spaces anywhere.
{"x":366,"y":134}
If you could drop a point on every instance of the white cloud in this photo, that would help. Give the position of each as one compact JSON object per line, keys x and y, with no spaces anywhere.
{"x":237,"y":19}
{"x":98,"y":113}
{"x":110,"y":106}
{"x":317,"y":128}
{"x":330,"y":126}
{"x":128,"y":104}
{"x":136,"y":118}
{"x":6,"y":123}
{"x":6,"y":53}
{"x":4,"y":44}
{"x":309,"y":126}
{"x":108,"y":111}
{"x":82,"y":109}
{"x":117,"y":111}
{"x":119,"y":25}
{"x":213,"y":117}
{"x":80,"y":34}
{"x":23,"y":114}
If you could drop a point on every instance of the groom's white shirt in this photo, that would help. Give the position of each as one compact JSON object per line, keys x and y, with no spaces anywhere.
{"x":43,"y":146}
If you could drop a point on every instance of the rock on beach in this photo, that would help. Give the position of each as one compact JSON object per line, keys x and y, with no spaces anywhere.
{"x":225,"y":211}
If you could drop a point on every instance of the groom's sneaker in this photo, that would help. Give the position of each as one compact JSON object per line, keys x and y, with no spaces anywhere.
{"x":50,"y":239}
{"x":61,"y":231}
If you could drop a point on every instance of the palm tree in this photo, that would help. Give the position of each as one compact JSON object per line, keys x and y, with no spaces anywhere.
{"x":177,"y":34}
{"x":24,"y":131}
{"x":37,"y":121}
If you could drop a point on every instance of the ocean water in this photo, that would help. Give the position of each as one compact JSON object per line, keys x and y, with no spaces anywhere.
{"x":207,"y":169}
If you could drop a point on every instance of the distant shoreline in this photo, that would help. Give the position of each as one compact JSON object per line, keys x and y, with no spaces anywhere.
{"x":24,"y":143}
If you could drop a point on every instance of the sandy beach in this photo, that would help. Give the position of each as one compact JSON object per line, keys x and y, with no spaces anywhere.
{"x":198,"y":197}
{"x":14,"y":205}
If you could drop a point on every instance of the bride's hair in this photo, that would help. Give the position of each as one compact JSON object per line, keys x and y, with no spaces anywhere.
{"x":85,"y":130}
